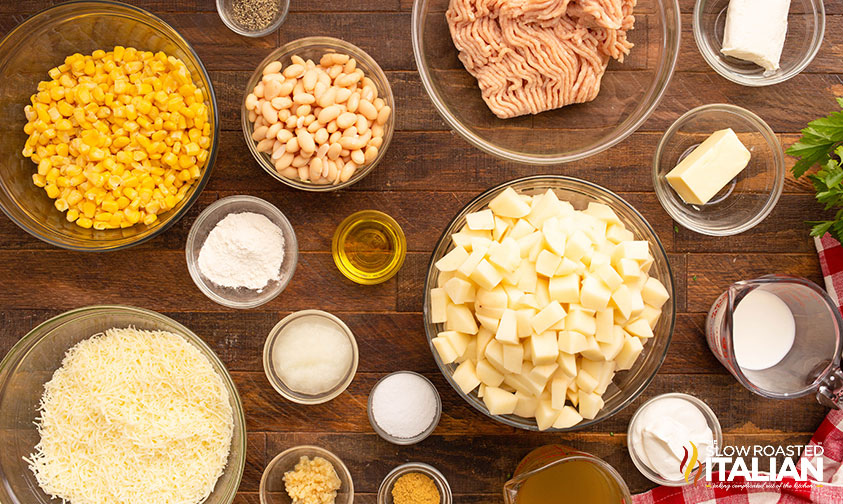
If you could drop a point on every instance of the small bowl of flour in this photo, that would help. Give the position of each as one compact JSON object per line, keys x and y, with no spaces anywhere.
{"x":241,"y":251}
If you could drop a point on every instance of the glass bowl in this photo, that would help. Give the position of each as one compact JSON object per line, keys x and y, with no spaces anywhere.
{"x":379,"y":229}
{"x":276,"y":381}
{"x":225,"y":8}
{"x":241,"y":297}
{"x":627,"y":385}
{"x":805,"y":30}
{"x":385,"y":490}
{"x":713,"y":424}
{"x":313,"y":48}
{"x":629,"y":93}
{"x":398,"y":440}
{"x":34,"y":359}
{"x":272,"y":489}
{"x":26,"y":54}
{"x":751,"y":195}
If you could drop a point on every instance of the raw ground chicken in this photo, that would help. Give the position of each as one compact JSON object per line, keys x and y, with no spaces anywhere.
{"x":530,"y":56}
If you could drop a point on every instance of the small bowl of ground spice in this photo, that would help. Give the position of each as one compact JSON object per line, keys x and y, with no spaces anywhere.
{"x":415,"y":483}
{"x":253,"y":18}
{"x":306,"y":475}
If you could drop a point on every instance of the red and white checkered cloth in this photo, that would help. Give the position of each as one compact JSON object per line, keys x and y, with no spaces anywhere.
{"x":829,"y":435}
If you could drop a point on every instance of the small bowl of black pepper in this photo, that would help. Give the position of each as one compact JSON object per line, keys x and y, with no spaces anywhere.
{"x":253,"y":18}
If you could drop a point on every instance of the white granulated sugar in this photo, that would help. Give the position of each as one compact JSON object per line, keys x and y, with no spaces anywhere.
{"x":404,"y":405}
{"x":243,"y":250}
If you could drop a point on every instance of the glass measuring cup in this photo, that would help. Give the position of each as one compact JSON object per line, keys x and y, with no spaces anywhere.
{"x":540,"y":468}
{"x":813,"y":362}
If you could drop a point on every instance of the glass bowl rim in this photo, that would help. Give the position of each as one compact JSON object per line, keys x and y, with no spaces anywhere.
{"x":713,"y":61}
{"x":443,"y":368}
{"x":94,"y":245}
{"x":536,"y":159}
{"x":320,"y":452}
{"x":33,"y":338}
{"x":773,"y":143}
{"x":404,"y":441}
{"x":707,"y":412}
{"x":255,"y":34}
{"x":339,"y":45}
{"x":428,"y":470}
{"x":287,"y":231}
{"x":278,"y":384}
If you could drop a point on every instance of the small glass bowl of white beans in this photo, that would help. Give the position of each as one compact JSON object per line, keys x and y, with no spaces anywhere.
{"x":318,"y":114}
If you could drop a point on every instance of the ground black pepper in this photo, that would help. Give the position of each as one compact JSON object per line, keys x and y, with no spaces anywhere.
{"x":254,"y":15}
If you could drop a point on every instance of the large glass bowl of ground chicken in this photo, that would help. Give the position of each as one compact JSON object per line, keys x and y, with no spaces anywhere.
{"x":548,"y":82}
{"x":110,"y":125}
{"x":107,"y":404}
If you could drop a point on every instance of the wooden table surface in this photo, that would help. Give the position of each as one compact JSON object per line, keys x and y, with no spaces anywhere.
{"x":429,"y":174}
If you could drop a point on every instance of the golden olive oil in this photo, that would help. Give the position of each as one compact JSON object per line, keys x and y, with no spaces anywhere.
{"x":570,"y":482}
{"x":369,"y":247}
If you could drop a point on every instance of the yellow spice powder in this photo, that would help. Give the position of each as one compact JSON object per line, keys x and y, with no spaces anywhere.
{"x":312,"y":482}
{"x":415,"y":488}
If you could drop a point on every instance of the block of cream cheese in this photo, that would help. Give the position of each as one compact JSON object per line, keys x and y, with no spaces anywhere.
{"x":711,"y":166}
{"x":755,"y":31}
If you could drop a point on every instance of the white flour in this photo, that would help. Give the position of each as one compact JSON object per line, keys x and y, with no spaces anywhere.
{"x":243,"y":250}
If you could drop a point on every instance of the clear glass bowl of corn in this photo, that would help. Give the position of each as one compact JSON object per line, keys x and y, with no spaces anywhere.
{"x":66,"y":176}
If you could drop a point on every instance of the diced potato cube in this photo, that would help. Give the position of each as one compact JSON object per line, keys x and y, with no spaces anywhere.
{"x":522,"y":319}
{"x":513,"y":358}
{"x":470,"y":264}
{"x":565,"y":289}
{"x":597,"y":260}
{"x":571,"y":342}
{"x":651,"y":315}
{"x":487,"y":373}
{"x":577,"y":246}
{"x":460,"y":291}
{"x":520,"y":229}
{"x":491,"y":302}
{"x":499,"y":401}
{"x":602,"y":212}
{"x":508,"y":329}
{"x":484,"y":336}
{"x":513,"y":294}
{"x":609,"y":276}
{"x":622,"y":301}
{"x":465,"y":376}
{"x":629,"y":269}
{"x":567,"y":363}
{"x":554,"y":237}
{"x":544,"y":348}
{"x":443,"y":278}
{"x":541,"y":374}
{"x":460,"y":319}
{"x":545,"y":415}
{"x":654,"y":293}
{"x":506,"y":255}
{"x":559,"y":389}
{"x":632,"y":348}
{"x":484,"y":219}
{"x":544,"y":207}
{"x":485,"y":275}
{"x":639,"y":327}
{"x":527,"y":277}
{"x":592,"y":349}
{"x":607,"y":373}
{"x":568,"y":417}
{"x":550,"y":315}
{"x":464,"y":236}
{"x":589,"y":404}
{"x":636,"y":302}
{"x":480,"y":243}
{"x":586,"y":382}
{"x":509,"y":204}
{"x":533,"y":253}
{"x":617,"y":234}
{"x":494,"y":355}
{"x":470,"y":352}
{"x":646,"y":265}
{"x":459,"y":341}
{"x":547,"y":262}
{"x":605,"y":321}
{"x":487,"y":322}
{"x":567,"y":266}
{"x":526,"y":406}
{"x":542,"y":292}
{"x":594,"y":294}
{"x":438,"y":305}
{"x":502,"y":224}
{"x":612,"y":348}
{"x":452,"y":260}
{"x":581,"y":322}
{"x":519,"y":383}
{"x":445,"y":350}
{"x":481,"y":390}
{"x":637,"y":250}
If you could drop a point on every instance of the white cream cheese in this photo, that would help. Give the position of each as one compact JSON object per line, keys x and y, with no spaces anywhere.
{"x":662,"y":431}
{"x":755,"y":31}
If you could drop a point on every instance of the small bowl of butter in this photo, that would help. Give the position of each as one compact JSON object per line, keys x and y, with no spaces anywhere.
{"x":719,"y":170}
{"x":759,"y":42}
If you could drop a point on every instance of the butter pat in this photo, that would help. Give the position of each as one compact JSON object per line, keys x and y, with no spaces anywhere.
{"x":706,"y":170}
{"x":755,"y":31}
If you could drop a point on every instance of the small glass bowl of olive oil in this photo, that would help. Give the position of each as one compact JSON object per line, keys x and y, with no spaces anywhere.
{"x":369,"y":247}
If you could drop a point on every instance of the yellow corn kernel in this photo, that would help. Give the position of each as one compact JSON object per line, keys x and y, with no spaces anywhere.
{"x":149,"y":219}
{"x":110,"y":206}
{"x":39,"y":180}
{"x":89,"y":209}
{"x":84,"y":222}
{"x":72,"y":215}
{"x":52,"y":191}
{"x":102,"y":216}
{"x":61,"y":204}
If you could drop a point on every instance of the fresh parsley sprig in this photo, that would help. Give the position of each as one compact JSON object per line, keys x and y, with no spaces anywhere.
{"x":822,"y":144}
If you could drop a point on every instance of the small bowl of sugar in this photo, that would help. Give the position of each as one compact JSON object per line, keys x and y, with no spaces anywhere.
{"x":404,"y":407}
{"x":241,"y":252}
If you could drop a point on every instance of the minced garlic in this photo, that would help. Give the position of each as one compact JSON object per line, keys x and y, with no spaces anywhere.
{"x":312,"y":482}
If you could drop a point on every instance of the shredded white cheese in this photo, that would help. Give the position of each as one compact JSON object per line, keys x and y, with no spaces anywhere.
{"x":131,"y":417}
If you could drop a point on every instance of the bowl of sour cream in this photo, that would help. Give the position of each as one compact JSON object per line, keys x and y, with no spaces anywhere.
{"x":670,"y":432}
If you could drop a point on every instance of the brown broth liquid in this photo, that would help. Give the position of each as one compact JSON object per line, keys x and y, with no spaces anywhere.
{"x":573,"y":482}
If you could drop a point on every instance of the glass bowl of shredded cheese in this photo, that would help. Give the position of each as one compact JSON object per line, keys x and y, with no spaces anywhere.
{"x":33,"y":363}
{"x":306,"y":474}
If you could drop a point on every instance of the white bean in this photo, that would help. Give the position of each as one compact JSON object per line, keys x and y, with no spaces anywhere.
{"x":293,"y":145}
{"x":329,"y":113}
{"x":273,"y":130}
{"x":383,"y":115}
{"x":259,"y":133}
{"x":358,"y":157}
{"x":371,"y":154}
{"x":310,"y":79}
{"x":281,"y":102}
{"x":346,"y":120}
{"x":287,"y":88}
{"x":347,"y":171}
{"x":270,"y":115}
{"x":290,"y":172}
{"x":321,"y":136}
{"x":306,"y":142}
{"x":259,"y":90}
{"x":284,"y":136}
{"x":367,"y":109}
{"x":265,"y":145}
{"x":342,"y":95}
{"x":353,"y":102}
{"x":277,"y":154}
{"x":272,"y":67}
{"x":251,"y":101}
{"x":294,"y":71}
{"x":315,"y":168}
{"x":304,"y":171}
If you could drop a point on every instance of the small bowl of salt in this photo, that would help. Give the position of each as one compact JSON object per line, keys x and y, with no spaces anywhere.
{"x":404,"y":407}
{"x":241,"y":252}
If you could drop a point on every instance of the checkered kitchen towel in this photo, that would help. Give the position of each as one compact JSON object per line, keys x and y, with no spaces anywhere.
{"x":829,"y":435}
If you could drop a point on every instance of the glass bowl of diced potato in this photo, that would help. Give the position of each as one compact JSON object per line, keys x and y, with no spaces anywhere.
{"x":549,"y":303}
{"x":110,"y":125}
